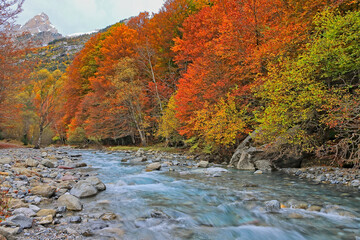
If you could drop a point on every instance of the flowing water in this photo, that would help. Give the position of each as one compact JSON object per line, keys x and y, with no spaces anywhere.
{"x":192,"y":203}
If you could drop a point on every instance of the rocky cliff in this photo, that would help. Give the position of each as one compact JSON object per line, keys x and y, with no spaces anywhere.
{"x":40,"y":30}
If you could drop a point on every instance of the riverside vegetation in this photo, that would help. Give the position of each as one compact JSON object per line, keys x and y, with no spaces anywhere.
{"x":200,"y":74}
{"x":256,"y":85}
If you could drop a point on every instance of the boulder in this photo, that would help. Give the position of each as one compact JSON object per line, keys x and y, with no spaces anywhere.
{"x":46,"y":220}
{"x":71,"y":202}
{"x":46,"y":212}
{"x":48,"y":163}
{"x":263,"y":165}
{"x":9,"y":233}
{"x":31,"y":163}
{"x":140,"y":153}
{"x":138,"y":160}
{"x":246,"y":156}
{"x":153,"y":166}
{"x":69,"y":178}
{"x":97,"y":183}
{"x":24,"y":211}
{"x":34,"y":208}
{"x":293,"y":203}
{"x":272,"y":206}
{"x":21,"y":221}
{"x":18,"y":203}
{"x":245,"y":162}
{"x":289,"y":160}
{"x":83,"y":189}
{"x":203,"y":164}
{"x":43,"y":190}
{"x":314,"y":208}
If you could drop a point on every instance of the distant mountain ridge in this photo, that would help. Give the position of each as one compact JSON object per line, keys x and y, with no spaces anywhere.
{"x":39,"y":29}
{"x":39,"y":23}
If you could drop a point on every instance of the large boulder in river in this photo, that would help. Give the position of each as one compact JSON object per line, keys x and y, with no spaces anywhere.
{"x":153,"y":166}
{"x":203,"y":164}
{"x":263,"y":165}
{"x":242,"y":158}
{"x":248,"y":157}
{"x":138,"y":160}
{"x":71,"y":202}
{"x":272,"y":206}
{"x":244,"y":162}
{"x":97,"y":183}
{"x":83,"y":189}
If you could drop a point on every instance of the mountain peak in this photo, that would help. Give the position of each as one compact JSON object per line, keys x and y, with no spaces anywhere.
{"x":39,"y":23}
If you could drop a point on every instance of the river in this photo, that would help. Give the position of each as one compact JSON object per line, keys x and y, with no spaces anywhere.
{"x":194,"y":203}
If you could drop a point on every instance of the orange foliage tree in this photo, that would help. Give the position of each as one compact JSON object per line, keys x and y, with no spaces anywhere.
{"x":11,"y":53}
{"x":225,"y":49}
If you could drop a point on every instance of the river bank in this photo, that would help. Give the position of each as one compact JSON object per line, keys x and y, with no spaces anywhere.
{"x":38,"y":183}
{"x":37,"y":180}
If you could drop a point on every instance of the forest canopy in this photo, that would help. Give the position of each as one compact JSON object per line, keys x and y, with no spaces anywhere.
{"x":204,"y":74}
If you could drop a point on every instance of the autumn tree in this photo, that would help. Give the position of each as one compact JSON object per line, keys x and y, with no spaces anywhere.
{"x":128,"y":94}
{"x":95,"y":108}
{"x":169,"y":124}
{"x":11,"y":52}
{"x":77,"y":84}
{"x":312,"y":101}
{"x":45,"y":88}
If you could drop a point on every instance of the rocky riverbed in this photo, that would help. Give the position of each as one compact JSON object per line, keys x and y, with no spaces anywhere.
{"x":328,"y":175}
{"x":46,"y":189}
{"x":54,"y":194}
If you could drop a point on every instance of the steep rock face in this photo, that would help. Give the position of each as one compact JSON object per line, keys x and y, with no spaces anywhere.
{"x":39,"y":23}
{"x":40,"y":30}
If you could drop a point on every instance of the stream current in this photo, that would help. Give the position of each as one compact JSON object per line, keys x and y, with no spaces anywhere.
{"x":196,"y":203}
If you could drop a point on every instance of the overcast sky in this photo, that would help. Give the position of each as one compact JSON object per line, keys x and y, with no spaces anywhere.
{"x":78,"y":16}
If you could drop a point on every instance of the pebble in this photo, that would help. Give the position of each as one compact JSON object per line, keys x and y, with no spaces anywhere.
{"x":34,"y":181}
{"x":75,"y":219}
{"x":328,"y":175}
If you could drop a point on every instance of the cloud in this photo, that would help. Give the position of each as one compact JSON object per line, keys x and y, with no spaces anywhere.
{"x":72,"y":16}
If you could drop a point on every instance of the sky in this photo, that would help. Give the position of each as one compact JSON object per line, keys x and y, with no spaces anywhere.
{"x":81,"y":16}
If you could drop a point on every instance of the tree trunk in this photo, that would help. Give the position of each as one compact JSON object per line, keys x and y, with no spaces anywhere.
{"x":154,"y":80}
{"x":38,"y":144}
